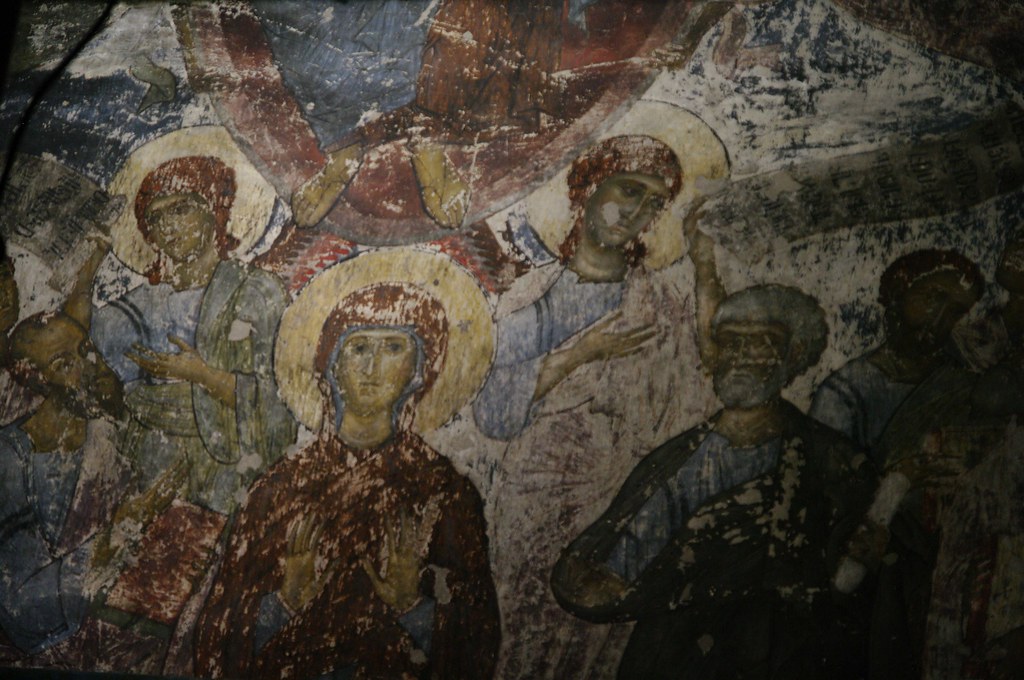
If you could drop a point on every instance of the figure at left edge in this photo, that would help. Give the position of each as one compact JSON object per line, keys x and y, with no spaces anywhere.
{"x":62,"y":477}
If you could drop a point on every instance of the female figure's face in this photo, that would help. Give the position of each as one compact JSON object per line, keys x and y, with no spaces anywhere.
{"x":373,"y":369}
{"x":623,"y":206}
{"x":181,"y":226}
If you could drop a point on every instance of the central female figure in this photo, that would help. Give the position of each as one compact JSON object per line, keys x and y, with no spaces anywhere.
{"x":366,"y":554}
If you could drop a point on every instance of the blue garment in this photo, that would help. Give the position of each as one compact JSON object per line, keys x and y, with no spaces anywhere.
{"x":743,"y":587}
{"x":232,"y":323}
{"x":145,"y":315}
{"x":525,"y":337}
{"x":41,"y":586}
{"x":338,"y":56}
{"x":716,"y":466}
{"x":859,"y":400}
{"x":335,"y":57}
{"x":273,"y":615}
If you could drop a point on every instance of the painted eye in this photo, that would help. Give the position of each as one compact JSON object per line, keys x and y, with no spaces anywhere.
{"x":395,"y":347}
{"x":62,"y":363}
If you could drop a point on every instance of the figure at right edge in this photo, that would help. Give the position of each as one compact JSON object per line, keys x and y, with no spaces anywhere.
{"x":722,"y":543}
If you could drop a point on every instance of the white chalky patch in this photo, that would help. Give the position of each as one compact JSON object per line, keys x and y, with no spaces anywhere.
{"x":441,"y":590}
{"x":790,"y":480}
{"x":849,"y":575}
{"x":749,"y":497}
{"x":250,"y":462}
{"x":705,"y":642}
{"x":699,"y":522}
{"x":240,"y":330}
{"x":610,"y":212}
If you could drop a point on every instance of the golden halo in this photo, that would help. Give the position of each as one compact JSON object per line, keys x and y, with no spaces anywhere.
{"x":470,"y":330}
{"x":700,"y":152}
{"x":250,"y":212}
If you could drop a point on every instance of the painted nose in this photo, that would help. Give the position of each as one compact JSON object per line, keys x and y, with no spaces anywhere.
{"x":371,"y":362}
{"x":944,"y":320}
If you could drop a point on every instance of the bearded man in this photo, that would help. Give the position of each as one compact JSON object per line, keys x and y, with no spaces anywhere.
{"x":722,"y":541}
{"x":61,"y":476}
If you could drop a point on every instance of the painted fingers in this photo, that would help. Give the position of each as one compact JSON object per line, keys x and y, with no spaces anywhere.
{"x":399,"y":586}
{"x":185,"y":365}
{"x":314,"y":199}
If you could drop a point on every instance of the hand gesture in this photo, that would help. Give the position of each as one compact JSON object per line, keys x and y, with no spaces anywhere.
{"x":445,"y":194}
{"x":400,"y":586}
{"x":591,"y":585}
{"x":301,"y":583}
{"x":314,"y":199}
{"x":601,"y":344}
{"x":185,"y":365}
{"x":100,"y":240}
{"x":597,"y":344}
{"x":701,"y":246}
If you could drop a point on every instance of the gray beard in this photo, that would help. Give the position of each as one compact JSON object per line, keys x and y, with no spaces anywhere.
{"x":737,"y":388}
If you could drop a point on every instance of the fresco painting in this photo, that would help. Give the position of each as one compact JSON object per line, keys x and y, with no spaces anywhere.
{"x":469,"y":339}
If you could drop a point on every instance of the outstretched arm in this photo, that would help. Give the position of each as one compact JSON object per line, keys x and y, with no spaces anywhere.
{"x":186,"y":365}
{"x":79,"y":303}
{"x":709,"y":289}
{"x":597,"y":344}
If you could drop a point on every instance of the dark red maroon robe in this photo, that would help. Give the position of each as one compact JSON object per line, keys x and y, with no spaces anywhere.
{"x":355,"y":496}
